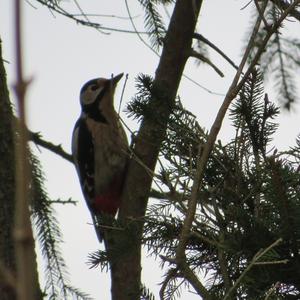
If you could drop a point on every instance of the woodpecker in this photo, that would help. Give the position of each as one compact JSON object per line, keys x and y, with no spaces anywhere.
{"x":99,"y":148}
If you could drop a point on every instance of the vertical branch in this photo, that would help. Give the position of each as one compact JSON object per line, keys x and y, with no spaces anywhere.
{"x":126,"y":268}
{"x":203,"y":157}
{"x":27,"y":286}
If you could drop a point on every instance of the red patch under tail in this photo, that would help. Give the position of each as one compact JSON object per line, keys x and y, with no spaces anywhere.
{"x":109,"y":202}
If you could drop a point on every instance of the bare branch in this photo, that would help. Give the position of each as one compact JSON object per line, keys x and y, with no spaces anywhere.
{"x":261,"y":14}
{"x":201,"y":38}
{"x":206,"y":60}
{"x":64,"y":202}
{"x":95,"y":25}
{"x":36,"y":138}
{"x":57,"y":149}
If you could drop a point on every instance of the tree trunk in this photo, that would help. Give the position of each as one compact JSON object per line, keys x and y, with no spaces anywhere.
{"x":7,"y":184}
{"x":8,"y":263}
{"x":126,"y":262}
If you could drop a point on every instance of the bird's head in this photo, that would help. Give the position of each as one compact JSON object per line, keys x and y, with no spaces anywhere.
{"x":97,"y":93}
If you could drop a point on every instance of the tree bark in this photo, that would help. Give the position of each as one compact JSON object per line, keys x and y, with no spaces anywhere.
{"x":126,"y":262}
{"x":7,"y":184}
{"x":8,"y":263}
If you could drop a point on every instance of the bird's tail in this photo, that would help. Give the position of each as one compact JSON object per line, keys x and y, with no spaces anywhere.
{"x":98,"y":227}
{"x":103,"y":223}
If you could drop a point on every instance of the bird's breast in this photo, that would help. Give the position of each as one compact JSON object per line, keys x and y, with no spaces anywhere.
{"x":110,"y":152}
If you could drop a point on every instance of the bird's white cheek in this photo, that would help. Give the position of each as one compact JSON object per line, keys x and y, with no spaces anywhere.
{"x":88,"y":98}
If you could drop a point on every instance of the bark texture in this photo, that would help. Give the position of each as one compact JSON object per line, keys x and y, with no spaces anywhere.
{"x":125,"y":248}
{"x":7,"y":184}
{"x":8,"y":261}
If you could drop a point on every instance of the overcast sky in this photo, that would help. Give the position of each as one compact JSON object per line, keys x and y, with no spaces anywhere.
{"x":61,"y":55}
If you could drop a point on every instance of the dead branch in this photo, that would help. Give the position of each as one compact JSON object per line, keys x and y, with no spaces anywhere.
{"x":201,"y":38}
{"x":57,"y":149}
{"x":204,"y":59}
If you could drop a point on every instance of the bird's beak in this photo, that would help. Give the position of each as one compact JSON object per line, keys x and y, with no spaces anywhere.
{"x":115,"y":79}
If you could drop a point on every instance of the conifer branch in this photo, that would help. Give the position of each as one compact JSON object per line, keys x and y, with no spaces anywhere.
{"x":284,"y":5}
{"x":168,"y":277}
{"x":262,"y":47}
{"x":254,"y":261}
{"x":49,"y":236}
{"x":153,"y":23}
{"x":204,"y":155}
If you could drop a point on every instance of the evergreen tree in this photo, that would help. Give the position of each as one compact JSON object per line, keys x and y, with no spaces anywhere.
{"x":223,"y":218}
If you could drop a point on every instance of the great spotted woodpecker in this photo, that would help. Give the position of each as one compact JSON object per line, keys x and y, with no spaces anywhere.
{"x":99,"y":148}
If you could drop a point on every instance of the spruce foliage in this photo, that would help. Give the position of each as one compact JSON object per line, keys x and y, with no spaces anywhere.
{"x":50,"y":238}
{"x":153,"y":22}
{"x":281,"y":59}
{"x":245,"y":238}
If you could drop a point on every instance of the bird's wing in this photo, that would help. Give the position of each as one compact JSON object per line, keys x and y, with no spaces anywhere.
{"x":83,"y":150}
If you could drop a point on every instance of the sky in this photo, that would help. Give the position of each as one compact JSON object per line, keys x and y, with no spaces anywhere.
{"x":60,"y":56}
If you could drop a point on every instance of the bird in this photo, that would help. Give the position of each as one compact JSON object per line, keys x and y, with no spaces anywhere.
{"x":99,"y":149}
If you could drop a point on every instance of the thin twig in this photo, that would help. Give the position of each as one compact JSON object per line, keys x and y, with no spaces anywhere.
{"x":254,"y":261}
{"x":95,"y":25}
{"x":202,"y":86}
{"x":149,"y":47}
{"x":64,"y":202}
{"x":122,"y":94}
{"x":85,"y":16}
{"x":276,"y":262}
{"x":105,"y":16}
{"x":272,"y":290}
{"x":261,"y":14}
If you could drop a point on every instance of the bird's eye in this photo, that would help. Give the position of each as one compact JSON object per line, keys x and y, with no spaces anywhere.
{"x":94,"y":87}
